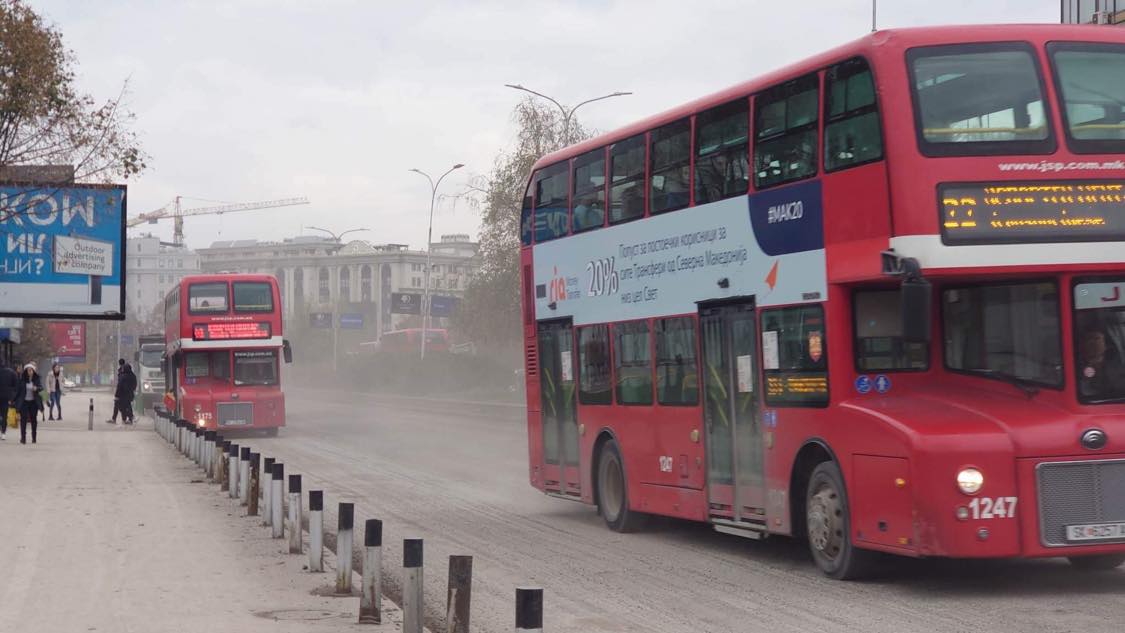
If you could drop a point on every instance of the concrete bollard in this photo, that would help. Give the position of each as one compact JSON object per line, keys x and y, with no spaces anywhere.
{"x":90,"y":424}
{"x":277,"y":501}
{"x":529,"y":610}
{"x":233,"y":468}
{"x":459,"y":596}
{"x":217,"y":459}
{"x":255,"y":482}
{"x":267,"y":486}
{"x":295,"y":514}
{"x":371,"y":593}
{"x":197,"y":446}
{"x":412,"y":585}
{"x":180,"y":436}
{"x":224,"y":482}
{"x":209,"y":453}
{"x":244,"y":476}
{"x":344,"y":521}
{"x":316,"y":530}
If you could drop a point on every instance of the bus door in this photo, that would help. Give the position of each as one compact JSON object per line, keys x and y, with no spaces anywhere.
{"x":558,"y":413}
{"x":735,"y":468}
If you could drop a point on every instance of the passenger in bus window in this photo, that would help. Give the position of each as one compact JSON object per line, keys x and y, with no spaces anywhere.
{"x":1101,"y":375}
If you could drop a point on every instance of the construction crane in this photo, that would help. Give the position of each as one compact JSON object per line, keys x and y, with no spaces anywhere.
{"x":177,"y":213}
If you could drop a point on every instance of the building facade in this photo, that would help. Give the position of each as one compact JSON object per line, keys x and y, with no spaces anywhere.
{"x":1093,"y":11}
{"x":320,"y":276}
{"x":153,"y":268}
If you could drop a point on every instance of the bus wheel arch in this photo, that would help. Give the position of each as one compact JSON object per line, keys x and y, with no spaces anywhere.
{"x":609,"y":479}
{"x":812,"y":454}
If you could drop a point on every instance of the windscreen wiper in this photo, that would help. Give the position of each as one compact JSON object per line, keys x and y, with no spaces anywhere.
{"x":1028,"y":387}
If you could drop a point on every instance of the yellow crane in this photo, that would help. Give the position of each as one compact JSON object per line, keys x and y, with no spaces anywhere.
{"x":175,"y":211}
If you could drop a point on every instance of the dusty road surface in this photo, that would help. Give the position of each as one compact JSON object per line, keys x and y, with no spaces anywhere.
{"x":460,"y":482}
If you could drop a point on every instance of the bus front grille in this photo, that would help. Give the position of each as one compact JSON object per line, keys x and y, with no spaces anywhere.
{"x":235,"y":413}
{"x":1079,"y":493}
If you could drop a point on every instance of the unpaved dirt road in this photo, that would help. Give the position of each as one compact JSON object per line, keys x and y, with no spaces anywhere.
{"x":460,"y":482}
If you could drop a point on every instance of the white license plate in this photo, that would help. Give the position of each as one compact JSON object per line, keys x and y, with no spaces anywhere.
{"x":235,"y":423}
{"x":1095,"y":532}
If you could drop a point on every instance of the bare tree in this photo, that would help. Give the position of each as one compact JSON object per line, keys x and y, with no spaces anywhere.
{"x":489,"y":313}
{"x":44,"y":118}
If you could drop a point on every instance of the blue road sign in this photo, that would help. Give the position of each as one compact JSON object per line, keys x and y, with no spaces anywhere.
{"x":863,"y":384}
{"x":882,"y":383}
{"x":442,"y":306}
{"x":353,"y":321}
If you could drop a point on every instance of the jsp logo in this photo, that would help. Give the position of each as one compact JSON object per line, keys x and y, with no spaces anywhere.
{"x":785,"y":212}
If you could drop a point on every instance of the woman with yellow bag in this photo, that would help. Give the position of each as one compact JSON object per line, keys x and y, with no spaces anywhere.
{"x":9,"y":414}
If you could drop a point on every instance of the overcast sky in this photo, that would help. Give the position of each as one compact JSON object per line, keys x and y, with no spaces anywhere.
{"x":335,"y":100}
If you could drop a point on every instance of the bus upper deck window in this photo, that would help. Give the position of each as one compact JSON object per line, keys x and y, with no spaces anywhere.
{"x":974,"y":99}
{"x":551,"y":192}
{"x":1089,"y":80}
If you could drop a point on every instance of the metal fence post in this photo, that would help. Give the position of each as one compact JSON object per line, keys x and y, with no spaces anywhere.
{"x":529,"y":610}
{"x":233,"y":468}
{"x":316,"y":530}
{"x":345,"y":519}
{"x":371,"y":596}
{"x":460,"y":594}
{"x":412,"y":585}
{"x":277,"y":500}
{"x":244,"y":476}
{"x":90,"y":424}
{"x":295,"y":514}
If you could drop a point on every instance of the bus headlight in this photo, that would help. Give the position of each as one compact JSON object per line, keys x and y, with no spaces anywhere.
{"x":970,"y":481}
{"x":200,"y":423}
{"x":146,"y":386}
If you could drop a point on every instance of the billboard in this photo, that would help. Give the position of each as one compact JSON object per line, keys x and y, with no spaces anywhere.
{"x":63,"y":251}
{"x":351,"y":321}
{"x":67,"y":339}
{"x":320,"y":320}
{"x":442,"y":306}
{"x":406,"y":303}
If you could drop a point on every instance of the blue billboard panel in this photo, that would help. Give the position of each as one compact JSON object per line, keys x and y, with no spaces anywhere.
{"x":351,"y":321}
{"x":63,"y":251}
{"x":442,"y":306}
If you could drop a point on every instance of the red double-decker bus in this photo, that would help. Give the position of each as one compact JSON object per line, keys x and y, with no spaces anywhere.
{"x":875,"y":299}
{"x":223,"y":349}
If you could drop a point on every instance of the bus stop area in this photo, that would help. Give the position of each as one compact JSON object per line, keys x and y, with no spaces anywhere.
{"x":125,"y":534}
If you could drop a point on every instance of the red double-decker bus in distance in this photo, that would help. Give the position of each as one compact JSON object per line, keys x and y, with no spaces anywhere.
{"x":223,"y":348}
{"x":875,"y":299}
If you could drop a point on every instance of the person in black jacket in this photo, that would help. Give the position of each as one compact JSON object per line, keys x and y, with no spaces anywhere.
{"x":27,"y":395}
{"x":117,"y":383}
{"x":123,"y":395}
{"x":9,"y":382}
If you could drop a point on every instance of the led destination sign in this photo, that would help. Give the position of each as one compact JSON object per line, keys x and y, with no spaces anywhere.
{"x":1068,"y":211}
{"x":230,"y":331}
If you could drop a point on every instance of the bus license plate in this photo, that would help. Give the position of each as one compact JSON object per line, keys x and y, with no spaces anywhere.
{"x":1095,"y":532}
{"x":235,"y":422}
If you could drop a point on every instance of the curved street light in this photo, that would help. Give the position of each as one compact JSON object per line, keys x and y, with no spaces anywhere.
{"x":335,"y":237}
{"x":429,"y":247}
{"x":567,"y":114}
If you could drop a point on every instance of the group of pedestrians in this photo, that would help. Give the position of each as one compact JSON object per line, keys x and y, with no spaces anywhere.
{"x":23,"y":392}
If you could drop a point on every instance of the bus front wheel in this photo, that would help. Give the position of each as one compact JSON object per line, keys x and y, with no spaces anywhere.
{"x":829,"y":527}
{"x":613,"y":496}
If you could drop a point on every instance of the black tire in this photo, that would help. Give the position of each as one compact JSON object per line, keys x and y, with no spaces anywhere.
{"x":828,"y":527}
{"x":1102,"y":562}
{"x":613,"y":492}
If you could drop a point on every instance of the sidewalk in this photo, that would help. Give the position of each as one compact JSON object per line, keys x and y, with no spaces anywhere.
{"x":105,"y":531}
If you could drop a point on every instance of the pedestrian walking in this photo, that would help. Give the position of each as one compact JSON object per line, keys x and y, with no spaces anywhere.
{"x":116,"y":383}
{"x":9,"y":384}
{"x":54,"y":392}
{"x":124,"y":393}
{"x":30,"y":403}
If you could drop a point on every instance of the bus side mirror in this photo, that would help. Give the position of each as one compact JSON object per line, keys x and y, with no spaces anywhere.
{"x":286,"y":351}
{"x":917,"y":315}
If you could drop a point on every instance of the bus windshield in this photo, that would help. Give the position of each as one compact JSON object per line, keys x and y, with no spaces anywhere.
{"x":151,"y":357}
{"x":969,"y":95}
{"x":1008,"y":331}
{"x":255,"y":368}
{"x":1099,"y":325}
{"x":1093,"y":94}
{"x":252,"y":296}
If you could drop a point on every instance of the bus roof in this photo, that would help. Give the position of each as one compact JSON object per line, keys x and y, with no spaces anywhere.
{"x":889,"y":41}
{"x":226,"y":277}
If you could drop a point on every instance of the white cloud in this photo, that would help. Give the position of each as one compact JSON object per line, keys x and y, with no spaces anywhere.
{"x":255,"y":99}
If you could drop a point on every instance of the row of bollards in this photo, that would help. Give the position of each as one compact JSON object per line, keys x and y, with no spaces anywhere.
{"x":239,"y":472}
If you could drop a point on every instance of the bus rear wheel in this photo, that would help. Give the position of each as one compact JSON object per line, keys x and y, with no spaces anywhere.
{"x":613,"y":495}
{"x":829,"y":527}
{"x":1103,"y":562}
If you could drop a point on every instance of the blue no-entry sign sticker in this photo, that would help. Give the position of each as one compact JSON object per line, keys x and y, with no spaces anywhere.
{"x":882,"y":383}
{"x":863,"y":384}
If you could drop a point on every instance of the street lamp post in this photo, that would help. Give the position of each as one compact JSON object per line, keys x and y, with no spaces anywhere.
{"x":567,"y":114}
{"x":429,"y":248}
{"x":336,"y":309}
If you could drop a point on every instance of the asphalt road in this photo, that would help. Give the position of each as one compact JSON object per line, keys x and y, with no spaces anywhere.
{"x":460,"y":482}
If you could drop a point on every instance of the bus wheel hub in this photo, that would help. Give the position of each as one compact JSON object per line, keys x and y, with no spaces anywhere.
{"x":823,"y":519}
